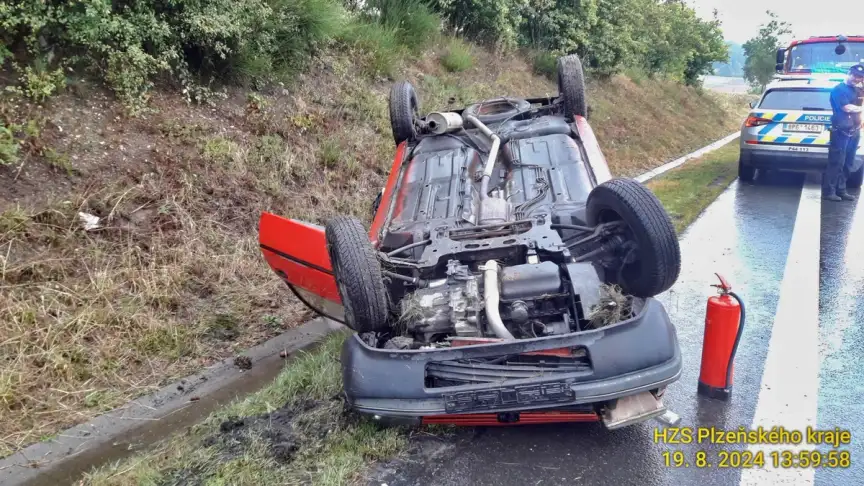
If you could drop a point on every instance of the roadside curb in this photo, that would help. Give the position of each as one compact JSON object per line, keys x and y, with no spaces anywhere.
{"x":680,"y":161}
{"x":151,"y":418}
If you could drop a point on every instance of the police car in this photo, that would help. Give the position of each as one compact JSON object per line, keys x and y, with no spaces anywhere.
{"x":788,"y":128}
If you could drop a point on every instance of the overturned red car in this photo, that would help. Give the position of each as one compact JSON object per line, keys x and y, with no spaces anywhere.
{"x":506,"y":278}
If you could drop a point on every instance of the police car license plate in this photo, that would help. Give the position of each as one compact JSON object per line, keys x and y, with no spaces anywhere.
{"x":804,"y":127}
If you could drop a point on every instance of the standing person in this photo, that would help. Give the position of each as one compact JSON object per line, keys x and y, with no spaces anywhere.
{"x":845,"y":134}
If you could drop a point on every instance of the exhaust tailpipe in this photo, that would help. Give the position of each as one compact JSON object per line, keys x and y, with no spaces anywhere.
{"x":493,"y":154}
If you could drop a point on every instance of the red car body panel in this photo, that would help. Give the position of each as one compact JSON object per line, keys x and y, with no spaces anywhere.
{"x":297,"y":252}
{"x":387,"y":196}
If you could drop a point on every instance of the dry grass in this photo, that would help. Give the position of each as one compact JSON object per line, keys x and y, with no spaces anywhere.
{"x":173,"y":280}
{"x":614,"y":306}
{"x":641,"y":126}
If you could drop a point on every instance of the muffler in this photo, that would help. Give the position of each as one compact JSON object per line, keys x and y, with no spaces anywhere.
{"x":633,"y":409}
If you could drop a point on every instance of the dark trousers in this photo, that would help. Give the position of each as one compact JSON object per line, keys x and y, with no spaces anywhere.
{"x":841,"y":159}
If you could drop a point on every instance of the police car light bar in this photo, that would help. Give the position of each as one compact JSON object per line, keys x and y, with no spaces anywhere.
{"x":810,"y":77}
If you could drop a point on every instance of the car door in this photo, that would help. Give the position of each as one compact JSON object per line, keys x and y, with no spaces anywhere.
{"x":297,"y":252}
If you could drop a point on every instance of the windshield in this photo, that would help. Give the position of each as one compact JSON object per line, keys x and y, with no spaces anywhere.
{"x":821,"y":58}
{"x":797,"y":99}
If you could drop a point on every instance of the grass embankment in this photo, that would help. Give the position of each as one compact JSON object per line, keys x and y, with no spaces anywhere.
{"x":687,"y":190}
{"x":172,"y":279}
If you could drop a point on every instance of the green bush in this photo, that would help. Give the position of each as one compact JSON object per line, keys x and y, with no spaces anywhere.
{"x":381,"y":51}
{"x":386,"y":30}
{"x":457,"y":57}
{"x":8,"y":146}
{"x":610,"y":35}
{"x":38,"y":84}
{"x":131,"y":42}
{"x":414,"y":23}
{"x":491,"y":22}
{"x":545,"y":64}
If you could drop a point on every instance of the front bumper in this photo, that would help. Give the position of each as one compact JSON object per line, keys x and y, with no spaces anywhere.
{"x":630,"y":357}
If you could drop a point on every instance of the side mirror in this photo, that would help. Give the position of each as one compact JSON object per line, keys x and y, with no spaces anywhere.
{"x":779,"y":67}
{"x":753,"y":104}
{"x":781,"y":56}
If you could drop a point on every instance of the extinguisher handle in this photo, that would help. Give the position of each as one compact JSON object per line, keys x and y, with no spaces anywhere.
{"x":724,"y":284}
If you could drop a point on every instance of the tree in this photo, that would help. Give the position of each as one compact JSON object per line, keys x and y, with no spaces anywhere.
{"x":708,"y":49}
{"x":761,"y":51}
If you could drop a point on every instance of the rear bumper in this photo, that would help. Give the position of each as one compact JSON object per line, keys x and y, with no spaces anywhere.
{"x":631,"y":357}
{"x":780,"y":157}
{"x":788,"y":160}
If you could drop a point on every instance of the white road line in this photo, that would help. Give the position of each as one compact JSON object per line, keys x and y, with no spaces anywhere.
{"x":680,"y":161}
{"x":790,"y":381}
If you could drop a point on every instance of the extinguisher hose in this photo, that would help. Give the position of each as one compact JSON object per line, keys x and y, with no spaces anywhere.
{"x":737,"y":340}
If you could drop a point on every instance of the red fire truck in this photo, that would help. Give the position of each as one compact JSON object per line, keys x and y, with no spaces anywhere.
{"x":821,"y":55}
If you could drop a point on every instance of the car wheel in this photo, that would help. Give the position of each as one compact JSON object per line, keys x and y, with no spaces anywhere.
{"x":657,"y":255}
{"x":571,"y":86}
{"x":746,"y":173}
{"x":856,"y":178}
{"x":404,"y":109}
{"x":358,"y":275}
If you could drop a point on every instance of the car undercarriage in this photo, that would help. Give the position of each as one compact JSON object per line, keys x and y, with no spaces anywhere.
{"x":504,"y":269}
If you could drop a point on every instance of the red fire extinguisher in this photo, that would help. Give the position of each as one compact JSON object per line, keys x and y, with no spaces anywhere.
{"x":724,"y":323}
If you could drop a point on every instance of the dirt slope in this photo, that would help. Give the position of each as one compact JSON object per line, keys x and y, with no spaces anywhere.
{"x":172,"y":279}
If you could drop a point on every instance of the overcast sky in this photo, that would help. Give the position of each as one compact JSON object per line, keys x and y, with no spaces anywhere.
{"x":741,"y":18}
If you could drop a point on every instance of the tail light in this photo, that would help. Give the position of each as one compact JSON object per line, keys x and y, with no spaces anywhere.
{"x":755,"y":121}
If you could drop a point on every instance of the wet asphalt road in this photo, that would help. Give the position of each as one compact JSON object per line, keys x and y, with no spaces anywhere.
{"x":745,"y":235}
{"x":841,"y":335}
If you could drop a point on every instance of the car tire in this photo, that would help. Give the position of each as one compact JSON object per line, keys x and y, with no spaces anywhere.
{"x":856,"y":178}
{"x":657,"y":263}
{"x":497,"y":110}
{"x":746,"y":172}
{"x":404,"y":111}
{"x":571,"y":86}
{"x":358,"y":275}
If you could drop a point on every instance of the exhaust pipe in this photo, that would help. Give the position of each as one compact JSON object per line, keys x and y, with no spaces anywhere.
{"x":490,"y":294}
{"x":493,"y":154}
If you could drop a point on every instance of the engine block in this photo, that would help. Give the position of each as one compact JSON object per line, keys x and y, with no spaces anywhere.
{"x":450,"y":305}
